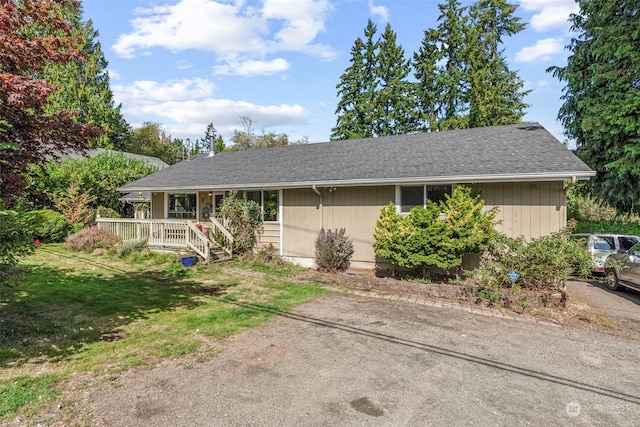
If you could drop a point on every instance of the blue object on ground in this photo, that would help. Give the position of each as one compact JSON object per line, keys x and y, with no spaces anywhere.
{"x":189,"y":261}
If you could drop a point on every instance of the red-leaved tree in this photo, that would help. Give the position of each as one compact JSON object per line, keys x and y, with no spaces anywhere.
{"x":32,"y":34}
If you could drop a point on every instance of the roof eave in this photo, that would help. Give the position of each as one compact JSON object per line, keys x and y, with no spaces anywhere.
{"x":556,"y":176}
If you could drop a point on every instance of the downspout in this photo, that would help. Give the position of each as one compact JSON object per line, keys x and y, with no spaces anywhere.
{"x":319,"y":193}
{"x":574,"y":181}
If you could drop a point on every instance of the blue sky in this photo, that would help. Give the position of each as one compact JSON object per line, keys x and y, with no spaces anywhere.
{"x":187,"y":63}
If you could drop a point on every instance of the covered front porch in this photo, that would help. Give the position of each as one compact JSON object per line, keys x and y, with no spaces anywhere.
{"x":210,"y":240}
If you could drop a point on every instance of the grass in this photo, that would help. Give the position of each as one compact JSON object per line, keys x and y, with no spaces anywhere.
{"x":74,"y":313}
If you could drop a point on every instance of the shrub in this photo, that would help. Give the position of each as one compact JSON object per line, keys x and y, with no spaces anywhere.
{"x":91,"y":238}
{"x":592,"y":215}
{"x":543,"y":263}
{"x":437,"y":235}
{"x":129,"y":247}
{"x":333,"y":250}
{"x":106,"y":212}
{"x":244,"y":220}
{"x":266,"y":254}
{"x":15,"y":242}
{"x":49,"y":226}
{"x":391,"y":233}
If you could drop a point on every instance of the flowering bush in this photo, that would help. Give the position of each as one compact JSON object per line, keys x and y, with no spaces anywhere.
{"x":91,"y":238}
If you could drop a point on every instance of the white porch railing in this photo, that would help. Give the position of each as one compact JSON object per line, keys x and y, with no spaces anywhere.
{"x":167,"y":233}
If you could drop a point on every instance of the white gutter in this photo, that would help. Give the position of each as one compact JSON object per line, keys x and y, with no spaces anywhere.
{"x":462,"y":179}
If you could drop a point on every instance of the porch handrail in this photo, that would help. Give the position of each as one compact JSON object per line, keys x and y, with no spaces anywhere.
{"x":228,"y":246}
{"x":198,"y":241}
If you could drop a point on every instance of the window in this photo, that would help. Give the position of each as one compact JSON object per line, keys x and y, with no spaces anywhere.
{"x":410,"y":197}
{"x":268,"y":201}
{"x":182,"y":206}
{"x":413,"y":196}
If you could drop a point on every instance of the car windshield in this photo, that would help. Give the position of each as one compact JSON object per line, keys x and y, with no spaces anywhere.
{"x":626,"y":242}
{"x":635,"y":249}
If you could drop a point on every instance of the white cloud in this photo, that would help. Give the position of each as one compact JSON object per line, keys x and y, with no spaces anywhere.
{"x":226,"y":112}
{"x":113,"y":75}
{"x":379,"y":11}
{"x":229,"y":29}
{"x":541,"y":51}
{"x":301,"y":21}
{"x":550,"y":13}
{"x":183,"y":65}
{"x":185,"y":107}
{"x":252,"y":67}
{"x":149,"y":91}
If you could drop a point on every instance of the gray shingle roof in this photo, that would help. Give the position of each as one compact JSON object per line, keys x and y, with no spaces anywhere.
{"x":495,"y":154}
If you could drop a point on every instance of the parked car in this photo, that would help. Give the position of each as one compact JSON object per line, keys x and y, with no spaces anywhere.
{"x":623,"y":270}
{"x":601,"y":245}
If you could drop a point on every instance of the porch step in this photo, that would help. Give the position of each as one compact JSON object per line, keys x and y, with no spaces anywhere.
{"x":218,"y":256}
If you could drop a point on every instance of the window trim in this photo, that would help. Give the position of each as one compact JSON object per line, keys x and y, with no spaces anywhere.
{"x":398,"y":194}
{"x":262,"y":199}
{"x":186,"y":193}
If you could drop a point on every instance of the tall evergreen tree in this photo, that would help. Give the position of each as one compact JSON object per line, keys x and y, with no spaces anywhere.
{"x":83,"y":85}
{"x":427,"y":87}
{"x":440,"y":70}
{"x":463,"y":77}
{"x":395,"y":106}
{"x":495,"y":93}
{"x":209,"y":138}
{"x":602,"y":97}
{"x":357,"y":88}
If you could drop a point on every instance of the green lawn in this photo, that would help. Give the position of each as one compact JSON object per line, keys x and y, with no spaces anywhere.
{"x":74,"y":315}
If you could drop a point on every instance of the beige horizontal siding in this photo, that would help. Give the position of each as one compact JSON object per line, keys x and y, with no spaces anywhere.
{"x":270,"y":235}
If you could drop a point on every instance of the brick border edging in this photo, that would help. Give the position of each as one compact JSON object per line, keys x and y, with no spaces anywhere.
{"x":440,"y":303}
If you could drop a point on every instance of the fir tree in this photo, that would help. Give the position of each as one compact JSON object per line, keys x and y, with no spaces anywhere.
{"x":602,"y":97}
{"x":83,"y":85}
{"x":394,"y":102}
{"x":495,"y":94}
{"x":356,"y":90}
{"x":440,"y":70}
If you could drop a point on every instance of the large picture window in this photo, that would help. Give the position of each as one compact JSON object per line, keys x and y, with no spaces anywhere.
{"x":268,"y":201}
{"x":182,"y":206}
{"x":417,"y":195}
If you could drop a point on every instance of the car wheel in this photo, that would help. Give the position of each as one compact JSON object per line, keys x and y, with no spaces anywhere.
{"x":611,"y":279}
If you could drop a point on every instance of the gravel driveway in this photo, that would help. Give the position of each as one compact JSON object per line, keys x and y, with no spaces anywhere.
{"x":620,"y":304}
{"x":348,"y":360}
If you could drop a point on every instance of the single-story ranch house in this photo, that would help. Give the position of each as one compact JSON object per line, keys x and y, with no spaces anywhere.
{"x":521,"y":169}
